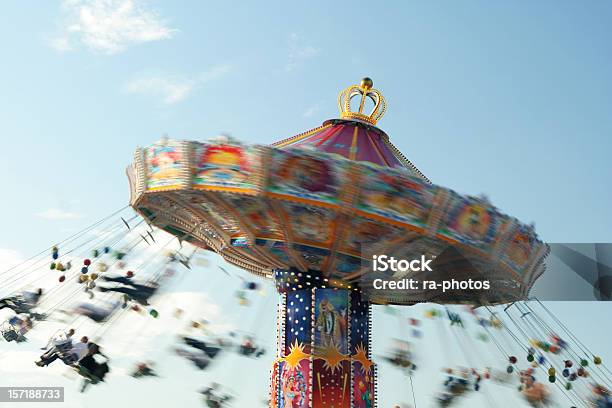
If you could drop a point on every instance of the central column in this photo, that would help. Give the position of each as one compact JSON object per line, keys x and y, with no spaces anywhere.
{"x":323,"y":355}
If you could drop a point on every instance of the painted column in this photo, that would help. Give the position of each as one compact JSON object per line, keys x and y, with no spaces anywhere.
{"x":323,"y":356}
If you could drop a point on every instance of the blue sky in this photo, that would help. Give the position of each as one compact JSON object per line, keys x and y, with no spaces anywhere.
{"x":510,"y":99}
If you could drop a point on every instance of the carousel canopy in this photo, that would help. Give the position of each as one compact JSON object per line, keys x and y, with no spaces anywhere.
{"x":325,"y":201}
{"x":354,"y":136}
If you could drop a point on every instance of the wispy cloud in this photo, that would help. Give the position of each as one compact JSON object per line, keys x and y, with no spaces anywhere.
{"x":171,"y":88}
{"x":58,"y":214}
{"x":311,"y":111}
{"x":108,"y":26}
{"x":61,"y":44}
{"x":299,"y":51}
{"x":9,"y":258}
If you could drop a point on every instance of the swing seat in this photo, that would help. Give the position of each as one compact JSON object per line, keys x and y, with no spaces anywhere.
{"x":64,"y":348}
{"x":10,"y":335}
{"x":69,"y":358}
{"x":88,"y":375}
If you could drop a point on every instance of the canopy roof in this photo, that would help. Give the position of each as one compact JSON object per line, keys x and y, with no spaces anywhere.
{"x":326,"y":201}
{"x":353,"y":140}
{"x":355,"y":135}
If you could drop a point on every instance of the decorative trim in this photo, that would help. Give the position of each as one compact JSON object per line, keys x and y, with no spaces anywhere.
{"x":353,"y":151}
{"x":405,"y":161}
{"x":297,"y":138}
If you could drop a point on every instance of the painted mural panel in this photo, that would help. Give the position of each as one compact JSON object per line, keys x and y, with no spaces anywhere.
{"x":346,"y":264}
{"x":471,"y":220}
{"x":225,"y":166}
{"x":370,"y":236}
{"x":278,"y":249}
{"x":310,"y":224}
{"x":294,"y":389}
{"x":306,"y":175}
{"x":314,"y":257}
{"x":363,"y":386}
{"x":164,"y":167}
{"x":255,"y":216}
{"x":395,"y":195}
{"x":331,"y":321}
{"x":523,"y":244}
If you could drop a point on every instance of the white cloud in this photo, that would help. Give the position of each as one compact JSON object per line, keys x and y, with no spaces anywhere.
{"x":172,"y":89}
{"x":61,"y":44}
{"x":58,"y":214}
{"x":299,"y":51}
{"x":311,"y":111}
{"x":108,"y":26}
{"x":9,"y":258}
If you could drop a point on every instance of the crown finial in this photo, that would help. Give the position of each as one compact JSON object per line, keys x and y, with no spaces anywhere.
{"x":367,"y":83}
{"x":364,"y":91}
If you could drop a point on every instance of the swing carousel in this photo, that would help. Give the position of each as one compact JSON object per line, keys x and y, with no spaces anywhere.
{"x":309,"y":212}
